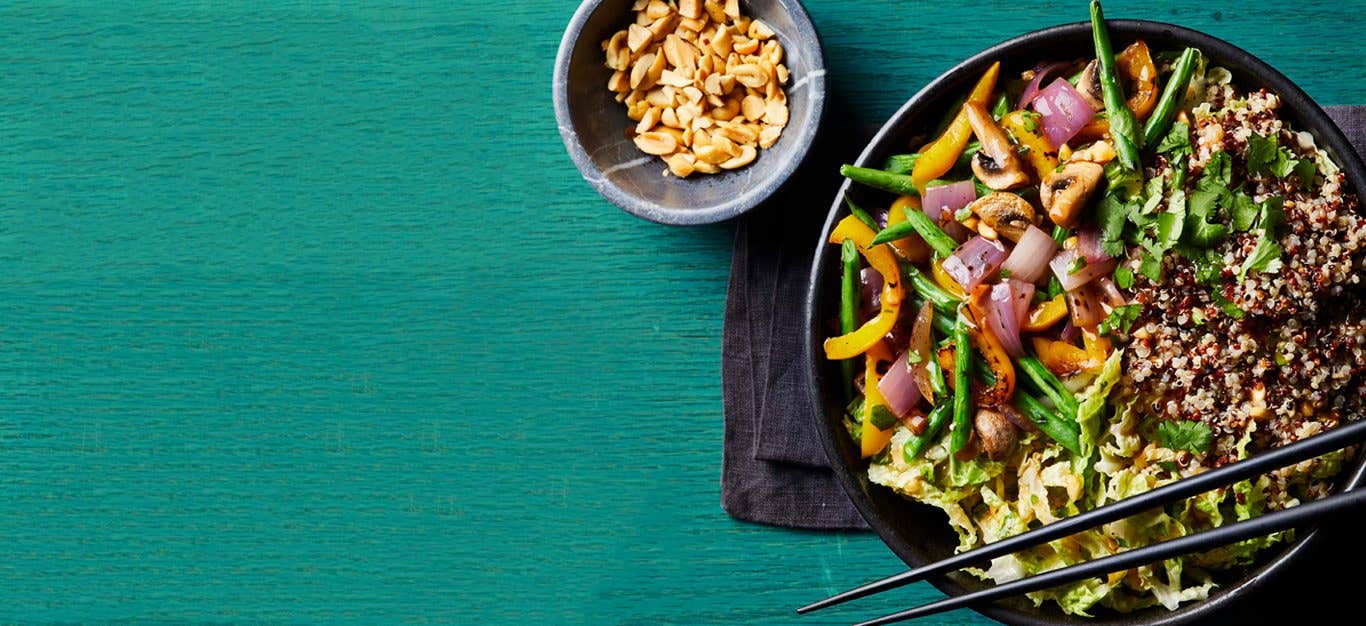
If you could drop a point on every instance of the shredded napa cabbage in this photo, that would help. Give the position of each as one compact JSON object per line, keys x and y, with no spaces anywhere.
{"x":1041,"y":482}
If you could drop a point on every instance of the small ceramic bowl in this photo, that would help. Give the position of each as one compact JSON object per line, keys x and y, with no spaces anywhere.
{"x":597,"y":133}
{"x":920,"y":534}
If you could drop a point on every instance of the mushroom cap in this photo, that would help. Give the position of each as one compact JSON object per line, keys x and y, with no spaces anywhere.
{"x":1065,"y":192}
{"x":996,"y":434}
{"x":1005,"y":212}
{"x":996,"y":164}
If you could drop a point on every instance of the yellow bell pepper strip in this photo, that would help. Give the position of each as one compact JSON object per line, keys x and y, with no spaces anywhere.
{"x":850,"y":345}
{"x":995,"y":355}
{"x":1098,"y":348}
{"x":938,"y":157}
{"x":1060,"y":357}
{"x":945,"y":281}
{"x":1135,"y":65}
{"x":1046,"y":314}
{"x":1026,"y":129}
{"x":874,"y":439}
{"x":911,"y":248}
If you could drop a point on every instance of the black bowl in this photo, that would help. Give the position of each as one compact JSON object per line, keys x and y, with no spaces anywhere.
{"x":594,"y":126}
{"x":920,"y":534}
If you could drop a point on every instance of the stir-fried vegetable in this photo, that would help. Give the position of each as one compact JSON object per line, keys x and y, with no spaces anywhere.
{"x":919,"y":223}
{"x":880,"y":179}
{"x":878,"y":419}
{"x":881,"y":258}
{"x":1172,"y":95}
{"x":962,"y":388}
{"x":940,"y":156}
{"x":849,"y":305}
{"x":1123,"y":126}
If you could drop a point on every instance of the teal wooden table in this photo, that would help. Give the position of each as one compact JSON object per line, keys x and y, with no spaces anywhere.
{"x":307,"y":317}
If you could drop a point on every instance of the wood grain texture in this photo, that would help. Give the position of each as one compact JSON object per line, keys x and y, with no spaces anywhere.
{"x":307,"y":317}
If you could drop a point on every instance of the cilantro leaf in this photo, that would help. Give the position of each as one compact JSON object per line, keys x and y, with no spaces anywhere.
{"x":1120,"y":319}
{"x":1112,"y":216}
{"x":882,"y":417}
{"x":1151,"y":267}
{"x":1261,"y":153}
{"x":1265,"y":156}
{"x":1272,"y":214}
{"x":1217,"y":174}
{"x":1306,"y":169}
{"x":1124,"y":277}
{"x":1230,"y":309}
{"x":1177,"y":141}
{"x":1243,"y":211}
{"x":1266,"y":257}
{"x":1169,"y":224}
{"x":1193,"y":436}
{"x":1122,"y":183}
{"x":1203,"y":204}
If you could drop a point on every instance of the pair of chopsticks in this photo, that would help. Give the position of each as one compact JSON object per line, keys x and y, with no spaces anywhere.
{"x":1305,"y":449}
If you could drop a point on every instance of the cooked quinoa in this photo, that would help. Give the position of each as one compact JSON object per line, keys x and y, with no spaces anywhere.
{"x":1292,"y":365}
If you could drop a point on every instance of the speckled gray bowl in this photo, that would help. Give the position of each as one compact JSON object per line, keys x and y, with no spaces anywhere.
{"x":596,"y":131}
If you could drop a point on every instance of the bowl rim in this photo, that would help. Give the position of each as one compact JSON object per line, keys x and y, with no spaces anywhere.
{"x":749,"y":197}
{"x":1327,"y":135}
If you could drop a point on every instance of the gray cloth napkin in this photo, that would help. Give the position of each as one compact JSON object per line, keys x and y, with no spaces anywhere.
{"x":774,"y":469}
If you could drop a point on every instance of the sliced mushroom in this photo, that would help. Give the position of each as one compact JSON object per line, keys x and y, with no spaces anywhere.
{"x":995,"y":432}
{"x":1065,"y":192}
{"x":1006,"y":213}
{"x":996,"y":163}
{"x":1089,"y":86}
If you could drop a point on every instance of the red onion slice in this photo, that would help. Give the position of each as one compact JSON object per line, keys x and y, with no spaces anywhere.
{"x":1088,"y":243}
{"x":973,"y":261}
{"x":1002,"y":319}
{"x":1069,"y":331}
{"x":1041,"y":74}
{"x":1084,"y":305}
{"x":898,"y":387}
{"x":1110,"y":291}
{"x":1023,"y":293}
{"x":950,"y":198}
{"x":1065,"y":112}
{"x":1031,"y":255}
{"x":1063,"y":264}
{"x":872,"y":289}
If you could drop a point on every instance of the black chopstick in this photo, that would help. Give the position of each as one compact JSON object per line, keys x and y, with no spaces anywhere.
{"x":1308,"y":448}
{"x":1256,"y":527}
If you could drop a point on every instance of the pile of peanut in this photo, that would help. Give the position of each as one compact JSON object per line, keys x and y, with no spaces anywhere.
{"x":703,"y":83}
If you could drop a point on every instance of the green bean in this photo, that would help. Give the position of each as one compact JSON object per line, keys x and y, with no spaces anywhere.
{"x":902,"y":163}
{"x":880,"y":179}
{"x":923,"y":285}
{"x":965,"y":159}
{"x":1172,"y":96}
{"x":1123,"y":126}
{"x":962,"y":387}
{"x":1061,"y":233}
{"x":1065,"y":432}
{"x":1048,"y":384}
{"x":1000,"y":107}
{"x":917,"y":443}
{"x":862,"y":215}
{"x":849,"y":306}
{"x":919,"y":223}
